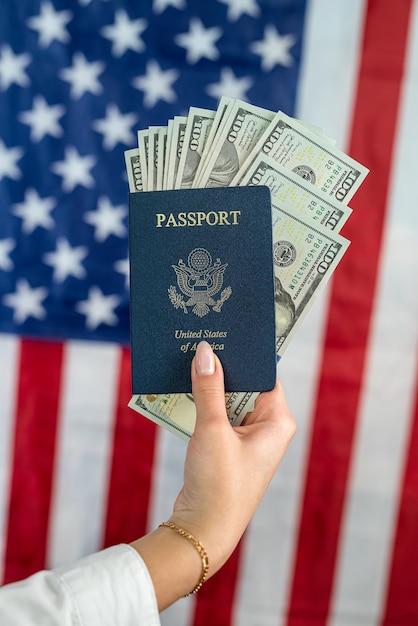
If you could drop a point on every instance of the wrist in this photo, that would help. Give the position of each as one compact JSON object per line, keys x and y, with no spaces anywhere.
{"x":199,"y":548}
{"x":216,"y":540}
{"x":173,"y":562}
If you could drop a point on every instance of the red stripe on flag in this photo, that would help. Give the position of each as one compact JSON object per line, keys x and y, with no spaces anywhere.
{"x":37,"y":406}
{"x":132,"y":466}
{"x":353,"y":289}
{"x":402,"y":597}
{"x":215,"y":600}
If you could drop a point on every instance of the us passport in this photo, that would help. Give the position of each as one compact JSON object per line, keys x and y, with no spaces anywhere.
{"x":201,"y":268}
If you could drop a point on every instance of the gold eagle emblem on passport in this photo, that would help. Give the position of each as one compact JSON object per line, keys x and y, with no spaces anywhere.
{"x":200,"y":281}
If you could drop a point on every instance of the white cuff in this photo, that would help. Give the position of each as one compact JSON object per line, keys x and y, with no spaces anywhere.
{"x":111,"y":587}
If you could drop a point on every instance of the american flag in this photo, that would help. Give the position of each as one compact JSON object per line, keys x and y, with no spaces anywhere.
{"x":335,"y":539}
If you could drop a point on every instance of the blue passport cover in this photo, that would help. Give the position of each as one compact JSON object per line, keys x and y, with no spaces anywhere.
{"x":201,"y":267}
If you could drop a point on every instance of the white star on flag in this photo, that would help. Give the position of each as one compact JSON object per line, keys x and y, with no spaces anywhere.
{"x":122,"y":266}
{"x":125,"y":34}
{"x":6,"y":246}
{"x":75,"y":169}
{"x":12,"y":68}
{"x":236,"y":8}
{"x":35,"y":211}
{"x":159,"y":6}
{"x":84,"y":3}
{"x":66,"y":260}
{"x":107,"y":220}
{"x":274,"y":49}
{"x":83,"y":76}
{"x":51,"y":25}
{"x":116,"y":127}
{"x":98,"y":308}
{"x":199,"y":41}
{"x":8,"y":159}
{"x":26,"y":302}
{"x":43,"y":119}
{"x":156,"y":84}
{"x":230,"y":85}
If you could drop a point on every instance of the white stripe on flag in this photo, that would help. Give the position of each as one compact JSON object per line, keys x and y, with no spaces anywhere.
{"x":391,"y":369}
{"x":85,"y":429}
{"x":9,"y":350}
{"x":268,"y":553}
{"x":167,"y":480}
{"x":331,"y":49}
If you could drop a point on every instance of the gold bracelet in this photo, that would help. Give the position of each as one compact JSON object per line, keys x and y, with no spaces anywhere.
{"x":199,"y":547}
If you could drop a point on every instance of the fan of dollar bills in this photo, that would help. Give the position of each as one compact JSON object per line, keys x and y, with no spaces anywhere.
{"x":311,"y":183}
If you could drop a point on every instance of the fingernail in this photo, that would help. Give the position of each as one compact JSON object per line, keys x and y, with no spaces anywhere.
{"x":205,"y":359}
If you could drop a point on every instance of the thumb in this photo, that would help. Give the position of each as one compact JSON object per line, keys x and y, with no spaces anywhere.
{"x":208,"y":386}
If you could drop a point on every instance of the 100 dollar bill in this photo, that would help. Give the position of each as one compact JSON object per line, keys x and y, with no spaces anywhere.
{"x":133,"y":170}
{"x":198,"y":127}
{"x":143,"y":140}
{"x":176,"y":412}
{"x":289,"y":189}
{"x":295,"y":147}
{"x":241,"y":127}
{"x":176,"y":144}
{"x":224,"y":105}
{"x":305,"y":255}
{"x":155,"y":134}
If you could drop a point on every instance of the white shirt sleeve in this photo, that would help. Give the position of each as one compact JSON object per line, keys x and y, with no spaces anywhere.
{"x":109,"y":588}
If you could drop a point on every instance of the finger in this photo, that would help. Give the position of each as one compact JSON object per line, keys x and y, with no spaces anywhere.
{"x":271,"y":412}
{"x":208,"y":386}
{"x":268,"y":404}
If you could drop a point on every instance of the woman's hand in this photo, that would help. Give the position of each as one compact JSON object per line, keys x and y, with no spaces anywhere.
{"x":227,"y":470}
{"x":226,"y":473}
